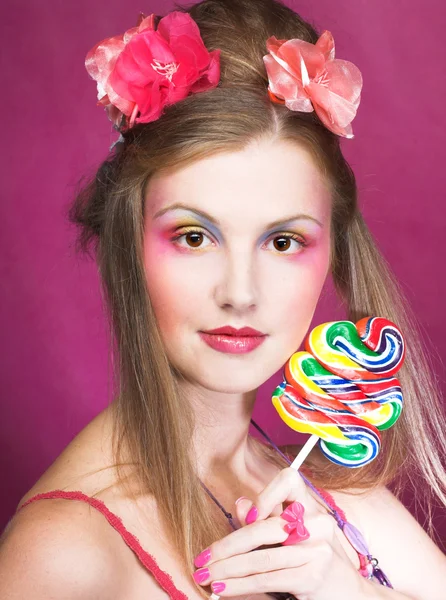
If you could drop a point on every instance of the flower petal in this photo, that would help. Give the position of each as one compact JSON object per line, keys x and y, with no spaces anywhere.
{"x":129,"y":34}
{"x":176,"y":24}
{"x":335,"y":112}
{"x":138,"y":65}
{"x":151,"y":98}
{"x":326,"y":45}
{"x":210,"y":77}
{"x":144,"y":49}
{"x":141,"y":71}
{"x":196,"y":48}
{"x":293,"y":50}
{"x":273,"y":46}
{"x":336,"y":103}
{"x":345,"y":79}
{"x":284,"y":85}
{"x":147,"y":23}
{"x":101,"y":59}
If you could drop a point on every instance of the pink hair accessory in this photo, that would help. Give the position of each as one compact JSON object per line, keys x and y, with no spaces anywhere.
{"x":307,"y":77}
{"x":143,"y":70}
{"x":295,"y":527}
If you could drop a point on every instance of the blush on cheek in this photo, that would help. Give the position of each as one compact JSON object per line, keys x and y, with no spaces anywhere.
{"x":316,"y":259}
{"x":170,"y":285}
{"x":300,"y":292}
{"x":161,"y":243}
{"x":158,"y":248}
{"x":156,"y":258}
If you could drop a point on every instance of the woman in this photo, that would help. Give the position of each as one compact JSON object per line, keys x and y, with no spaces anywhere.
{"x":223,"y":208}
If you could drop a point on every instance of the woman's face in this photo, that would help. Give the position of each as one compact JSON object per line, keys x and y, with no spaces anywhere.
{"x":214,"y":257}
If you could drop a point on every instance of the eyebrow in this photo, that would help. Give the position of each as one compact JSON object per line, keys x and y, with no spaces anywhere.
{"x":211,"y":219}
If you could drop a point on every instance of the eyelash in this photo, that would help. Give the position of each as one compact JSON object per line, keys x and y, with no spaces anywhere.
{"x":185,"y":230}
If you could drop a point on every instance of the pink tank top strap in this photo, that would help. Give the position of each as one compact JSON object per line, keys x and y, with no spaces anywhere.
{"x":163,"y":578}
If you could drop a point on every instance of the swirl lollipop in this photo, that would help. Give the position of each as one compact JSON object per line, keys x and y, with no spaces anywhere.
{"x":342,"y":390}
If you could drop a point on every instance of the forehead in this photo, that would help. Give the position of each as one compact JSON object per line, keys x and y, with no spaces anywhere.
{"x":263,"y":182}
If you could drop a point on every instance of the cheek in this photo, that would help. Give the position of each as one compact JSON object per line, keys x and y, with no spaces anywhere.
{"x":174,"y":288}
{"x":299,"y":291}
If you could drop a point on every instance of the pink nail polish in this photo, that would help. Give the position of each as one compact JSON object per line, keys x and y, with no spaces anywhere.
{"x":203,"y":558}
{"x":252,"y":515}
{"x":218,"y":586}
{"x":201,"y":575}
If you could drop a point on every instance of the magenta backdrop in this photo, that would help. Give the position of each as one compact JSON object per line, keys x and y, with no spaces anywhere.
{"x":54,"y":363}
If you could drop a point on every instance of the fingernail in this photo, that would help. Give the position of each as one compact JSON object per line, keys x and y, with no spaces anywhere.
{"x":241,"y":498}
{"x":203,"y":558}
{"x":201,"y":575}
{"x":252,"y":515}
{"x":218,"y":586}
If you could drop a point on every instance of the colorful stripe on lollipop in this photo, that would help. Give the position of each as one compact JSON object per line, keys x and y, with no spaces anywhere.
{"x":334,"y":395}
{"x":344,"y":438}
{"x":374,"y":346}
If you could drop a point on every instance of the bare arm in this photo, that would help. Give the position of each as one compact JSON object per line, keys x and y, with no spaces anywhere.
{"x":414,"y":564}
{"x":51,"y":551}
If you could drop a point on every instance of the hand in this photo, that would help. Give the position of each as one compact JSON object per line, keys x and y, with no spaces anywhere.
{"x":316,"y":568}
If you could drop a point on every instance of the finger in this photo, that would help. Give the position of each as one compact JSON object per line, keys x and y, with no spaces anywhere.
{"x":287,"y":486}
{"x":277,"y":511}
{"x":259,"y":561}
{"x":243,"y":506}
{"x":264,"y":533}
{"x":284,"y":580}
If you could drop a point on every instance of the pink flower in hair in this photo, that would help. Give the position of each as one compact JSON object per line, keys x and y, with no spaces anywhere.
{"x":143,"y":70}
{"x":307,"y":77}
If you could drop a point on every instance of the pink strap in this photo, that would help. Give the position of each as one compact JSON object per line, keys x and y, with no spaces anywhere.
{"x":163,"y":578}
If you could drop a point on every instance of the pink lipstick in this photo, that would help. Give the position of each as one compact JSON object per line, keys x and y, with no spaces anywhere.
{"x":231,"y":340}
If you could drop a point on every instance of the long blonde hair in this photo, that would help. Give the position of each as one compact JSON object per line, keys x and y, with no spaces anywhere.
{"x":151,"y":421}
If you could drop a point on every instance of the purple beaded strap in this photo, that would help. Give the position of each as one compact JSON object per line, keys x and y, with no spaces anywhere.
{"x":222,"y":508}
{"x":353,"y":534}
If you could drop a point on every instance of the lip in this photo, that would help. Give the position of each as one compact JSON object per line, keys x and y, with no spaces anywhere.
{"x":232,"y":344}
{"x":243,"y":332}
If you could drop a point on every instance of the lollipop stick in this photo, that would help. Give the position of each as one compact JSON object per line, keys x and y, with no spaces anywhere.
{"x":306,"y":449}
{"x":297,"y":462}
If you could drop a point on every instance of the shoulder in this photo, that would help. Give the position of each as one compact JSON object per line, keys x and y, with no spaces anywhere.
{"x":55,"y":548}
{"x":397,"y":540}
{"x":409,"y":557}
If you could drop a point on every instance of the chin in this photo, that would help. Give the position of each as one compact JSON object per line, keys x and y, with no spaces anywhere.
{"x":228,"y":381}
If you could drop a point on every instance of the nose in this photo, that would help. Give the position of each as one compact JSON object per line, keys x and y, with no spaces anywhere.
{"x":237,"y":288}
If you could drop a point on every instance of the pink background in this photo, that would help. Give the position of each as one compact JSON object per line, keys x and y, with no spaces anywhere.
{"x":54,"y":359}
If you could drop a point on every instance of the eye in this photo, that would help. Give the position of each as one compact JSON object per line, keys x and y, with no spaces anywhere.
{"x":192,"y":236}
{"x":283,"y":242}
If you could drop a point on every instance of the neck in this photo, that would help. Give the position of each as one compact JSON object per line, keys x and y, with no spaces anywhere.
{"x":223,"y":451}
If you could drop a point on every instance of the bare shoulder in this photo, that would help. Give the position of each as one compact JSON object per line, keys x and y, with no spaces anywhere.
{"x":58,"y":548}
{"x":54,"y":549}
{"x":395,"y":537}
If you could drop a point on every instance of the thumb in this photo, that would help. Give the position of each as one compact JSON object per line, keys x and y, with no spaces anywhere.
{"x":243,"y":505}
